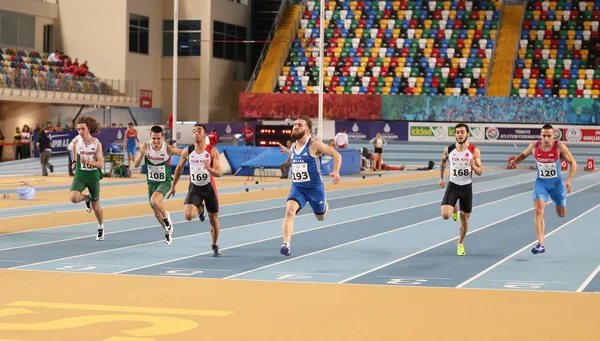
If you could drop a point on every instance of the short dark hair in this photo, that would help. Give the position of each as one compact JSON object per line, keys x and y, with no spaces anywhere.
{"x":307,"y":120}
{"x":548,"y":126}
{"x":200,"y":125}
{"x":462,"y":125}
{"x":156,"y":129}
{"x":130,"y":124}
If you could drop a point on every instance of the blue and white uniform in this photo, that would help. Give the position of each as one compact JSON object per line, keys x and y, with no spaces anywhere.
{"x":549,"y":182}
{"x":307,"y":181}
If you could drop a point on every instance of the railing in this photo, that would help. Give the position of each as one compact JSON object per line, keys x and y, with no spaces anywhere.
{"x":265,"y":49}
{"x":25,"y":80}
{"x":288,"y":45}
{"x":516,"y":52}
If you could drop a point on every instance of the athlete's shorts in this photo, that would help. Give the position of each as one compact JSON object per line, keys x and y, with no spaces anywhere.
{"x":130,"y":148}
{"x":378,"y":150}
{"x":553,"y":189}
{"x":79,"y":184}
{"x":160,"y":187}
{"x":455,"y":192}
{"x":207,"y":194}
{"x":315,"y":196}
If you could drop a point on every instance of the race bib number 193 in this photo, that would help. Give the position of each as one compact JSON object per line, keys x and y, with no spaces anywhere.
{"x":300,"y":172}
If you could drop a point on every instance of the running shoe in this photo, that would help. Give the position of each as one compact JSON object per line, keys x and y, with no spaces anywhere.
{"x":88,"y":205}
{"x":202,"y":215}
{"x":538,"y":248}
{"x":460,"y":249}
{"x":216,"y":251}
{"x":285,"y":250}
{"x":169,"y":235}
{"x":100,"y":235}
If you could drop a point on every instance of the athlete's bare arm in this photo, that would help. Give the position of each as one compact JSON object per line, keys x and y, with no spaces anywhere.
{"x":566,"y":155}
{"x":140,"y":156}
{"x":321,"y":148}
{"x":173,"y":150}
{"x":215,"y":170}
{"x":443,"y":166}
{"x":476,"y":162}
{"x":178,"y":171}
{"x":524,"y":154}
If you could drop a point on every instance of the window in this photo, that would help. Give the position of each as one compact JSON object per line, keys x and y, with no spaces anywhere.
{"x":189,"y":35}
{"x":17,"y":29}
{"x":224,"y":46}
{"x":139,"y":33}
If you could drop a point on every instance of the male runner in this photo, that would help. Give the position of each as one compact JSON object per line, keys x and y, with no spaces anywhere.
{"x":204,"y":166}
{"x":87,"y":165}
{"x":548,"y":153}
{"x":131,"y":136}
{"x":465,"y":159}
{"x":157,"y":154}
{"x":307,"y":183}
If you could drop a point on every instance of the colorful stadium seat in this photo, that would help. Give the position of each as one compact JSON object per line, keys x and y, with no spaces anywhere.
{"x":552,"y":58}
{"x":393,"y":47}
{"x":21,"y":69}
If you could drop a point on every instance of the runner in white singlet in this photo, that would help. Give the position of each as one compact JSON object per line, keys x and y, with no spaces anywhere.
{"x":204,"y":165}
{"x":464,"y":159}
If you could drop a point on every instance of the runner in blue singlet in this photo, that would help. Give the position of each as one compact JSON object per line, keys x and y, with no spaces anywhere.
{"x":548,"y":153}
{"x":307,"y":184}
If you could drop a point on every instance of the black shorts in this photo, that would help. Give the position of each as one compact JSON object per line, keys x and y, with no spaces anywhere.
{"x":463,"y":193}
{"x":378,"y":150}
{"x":207,"y":194}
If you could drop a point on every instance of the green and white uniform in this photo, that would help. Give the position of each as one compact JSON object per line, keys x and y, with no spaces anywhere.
{"x":87,"y":176}
{"x":158,"y":169}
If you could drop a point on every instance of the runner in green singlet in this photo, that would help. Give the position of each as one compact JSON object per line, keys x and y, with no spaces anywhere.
{"x":157,"y":155}
{"x":87,"y":165}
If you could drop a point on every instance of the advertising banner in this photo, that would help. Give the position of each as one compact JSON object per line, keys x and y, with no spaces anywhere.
{"x":366,"y":130}
{"x":433,"y":131}
{"x":60,"y":140}
{"x":145,"y":98}
{"x":487,"y":109}
{"x":585,"y":135}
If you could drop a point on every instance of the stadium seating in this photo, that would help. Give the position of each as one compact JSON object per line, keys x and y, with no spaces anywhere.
{"x":21,"y":69}
{"x":393,"y":47}
{"x":552,"y":58}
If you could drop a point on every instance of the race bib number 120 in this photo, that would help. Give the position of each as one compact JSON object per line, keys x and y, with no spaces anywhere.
{"x":547,"y":170}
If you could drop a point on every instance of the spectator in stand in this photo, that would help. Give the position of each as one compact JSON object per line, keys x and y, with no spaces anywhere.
{"x":17,"y":143}
{"x":341,"y":139}
{"x":248,"y":133}
{"x":213,"y":137}
{"x":332,"y":143}
{"x":285,"y":166}
{"x":54,"y":58}
{"x":26,"y":142}
{"x":1,"y":144}
{"x":45,"y":149}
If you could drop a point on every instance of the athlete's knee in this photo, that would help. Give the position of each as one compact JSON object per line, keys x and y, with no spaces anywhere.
{"x":214,"y":219}
{"x":188,"y":215}
{"x":561,"y":211}
{"x":320,"y":217}
{"x":74,"y":196}
{"x":154,"y":201}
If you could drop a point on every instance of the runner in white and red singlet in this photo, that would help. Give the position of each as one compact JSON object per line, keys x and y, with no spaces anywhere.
{"x":204,"y":166}
{"x":464,"y":159}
